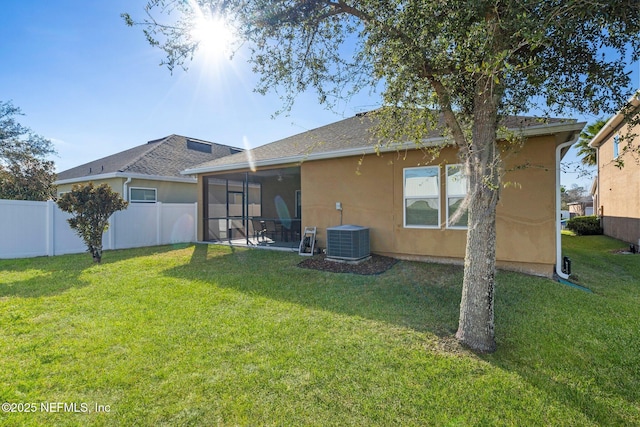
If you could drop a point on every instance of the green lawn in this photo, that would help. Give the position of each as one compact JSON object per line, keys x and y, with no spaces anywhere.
{"x":203,"y":335}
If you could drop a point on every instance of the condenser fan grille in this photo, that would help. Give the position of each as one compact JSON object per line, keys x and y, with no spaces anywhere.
{"x":348,"y":242}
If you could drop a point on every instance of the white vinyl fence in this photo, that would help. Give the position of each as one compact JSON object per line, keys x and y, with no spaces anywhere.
{"x":29,"y":229}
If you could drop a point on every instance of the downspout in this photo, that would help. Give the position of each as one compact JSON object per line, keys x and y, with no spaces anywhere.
{"x":125,"y":189}
{"x":558,"y":209}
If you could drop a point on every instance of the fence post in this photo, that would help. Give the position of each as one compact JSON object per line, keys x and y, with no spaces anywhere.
{"x":111,"y":233}
{"x":195,"y":222}
{"x":49,"y":218}
{"x":158,"y":223}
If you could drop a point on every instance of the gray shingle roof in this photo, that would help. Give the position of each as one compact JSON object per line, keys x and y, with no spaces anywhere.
{"x":345,"y":137}
{"x":162,"y":157}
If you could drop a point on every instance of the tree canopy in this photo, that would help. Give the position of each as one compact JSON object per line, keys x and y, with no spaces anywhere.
{"x":463,"y":64}
{"x":555,"y":54}
{"x":25,"y":172}
{"x":573,"y":194}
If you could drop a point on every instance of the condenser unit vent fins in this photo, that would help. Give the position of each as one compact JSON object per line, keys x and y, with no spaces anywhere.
{"x":348,"y":242}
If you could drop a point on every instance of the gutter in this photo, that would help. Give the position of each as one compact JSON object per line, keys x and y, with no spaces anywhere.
{"x":558,"y":203}
{"x":125,"y":191}
{"x":126,"y":175}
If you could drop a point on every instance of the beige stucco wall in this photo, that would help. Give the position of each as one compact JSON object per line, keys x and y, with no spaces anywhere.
{"x":619,"y":190}
{"x":370,"y":190}
{"x":373,"y":197}
{"x":114,"y":183}
{"x":167,"y":192}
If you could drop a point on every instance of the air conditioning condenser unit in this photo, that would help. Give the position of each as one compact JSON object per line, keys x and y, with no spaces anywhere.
{"x":348,"y":242}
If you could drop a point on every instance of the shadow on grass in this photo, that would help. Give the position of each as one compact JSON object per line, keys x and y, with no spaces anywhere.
{"x":47,"y":276}
{"x":424,"y":297}
{"x":579,"y":348}
{"x":545,"y":330}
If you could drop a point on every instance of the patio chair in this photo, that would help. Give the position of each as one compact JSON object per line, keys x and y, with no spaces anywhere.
{"x":271,"y":230}
{"x":259,"y":229}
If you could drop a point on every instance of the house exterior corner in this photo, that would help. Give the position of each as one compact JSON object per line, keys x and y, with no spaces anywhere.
{"x":618,"y":188}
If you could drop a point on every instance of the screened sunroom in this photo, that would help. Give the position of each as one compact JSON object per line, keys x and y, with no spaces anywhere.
{"x":253,"y":207}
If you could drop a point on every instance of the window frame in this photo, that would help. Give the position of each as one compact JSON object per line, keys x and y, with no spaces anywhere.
{"x":155,"y":192}
{"x":405,"y":198}
{"x":454,"y":196}
{"x":298,"y":197}
{"x":616,"y":146}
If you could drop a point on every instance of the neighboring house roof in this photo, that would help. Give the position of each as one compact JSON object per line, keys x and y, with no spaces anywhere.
{"x":353,"y":136}
{"x":616,"y":120}
{"x":585,"y":201}
{"x":161,"y":159}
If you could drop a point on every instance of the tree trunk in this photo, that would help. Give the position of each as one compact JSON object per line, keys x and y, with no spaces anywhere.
{"x":476,"y":324}
{"x":96,"y":253}
{"x":476,"y":327}
{"x":95,"y":245}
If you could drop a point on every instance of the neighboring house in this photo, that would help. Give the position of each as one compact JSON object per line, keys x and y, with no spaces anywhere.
{"x":594,"y":196}
{"x":581,"y":208}
{"x":332,"y":175}
{"x":151,"y":172}
{"x":617,"y":190}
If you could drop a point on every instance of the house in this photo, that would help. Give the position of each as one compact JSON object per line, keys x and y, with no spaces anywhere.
{"x":616,"y":192}
{"x":581,"y":208}
{"x":333,"y":175}
{"x":150,"y":172}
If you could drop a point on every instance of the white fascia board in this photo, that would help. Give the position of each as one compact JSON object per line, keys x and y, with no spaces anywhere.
{"x":545,"y":129}
{"x":126,"y":175}
{"x":548,"y":129}
{"x":613,"y":122}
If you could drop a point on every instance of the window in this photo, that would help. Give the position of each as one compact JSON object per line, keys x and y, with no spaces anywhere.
{"x":616,"y":146}
{"x":199,"y":146}
{"x":422,"y":197}
{"x":142,"y":195}
{"x":456,"y":191}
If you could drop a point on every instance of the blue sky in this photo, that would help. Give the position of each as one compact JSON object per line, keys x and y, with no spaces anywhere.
{"x":94,"y":86}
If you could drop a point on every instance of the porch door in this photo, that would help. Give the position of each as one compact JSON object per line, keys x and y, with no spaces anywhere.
{"x":235,"y":214}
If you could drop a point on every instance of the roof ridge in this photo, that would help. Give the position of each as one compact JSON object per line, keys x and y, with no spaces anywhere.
{"x":156,"y":144}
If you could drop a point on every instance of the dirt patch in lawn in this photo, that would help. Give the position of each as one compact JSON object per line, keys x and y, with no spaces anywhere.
{"x":623,"y":252}
{"x":378,"y":264}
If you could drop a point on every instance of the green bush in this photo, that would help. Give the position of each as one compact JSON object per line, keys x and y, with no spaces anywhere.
{"x":91,"y":208}
{"x":585,"y":225}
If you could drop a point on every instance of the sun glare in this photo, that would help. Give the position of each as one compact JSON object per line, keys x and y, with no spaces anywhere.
{"x":213,"y":35}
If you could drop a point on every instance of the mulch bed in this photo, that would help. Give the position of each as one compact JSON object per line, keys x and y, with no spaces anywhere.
{"x":378,"y":264}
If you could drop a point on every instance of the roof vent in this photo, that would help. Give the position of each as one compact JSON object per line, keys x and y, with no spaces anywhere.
{"x":199,"y":146}
{"x":348,"y":242}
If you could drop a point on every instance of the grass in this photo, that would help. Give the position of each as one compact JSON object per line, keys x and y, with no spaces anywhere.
{"x":206,"y":335}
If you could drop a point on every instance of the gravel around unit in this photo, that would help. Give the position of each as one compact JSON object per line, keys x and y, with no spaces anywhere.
{"x":378,"y":264}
